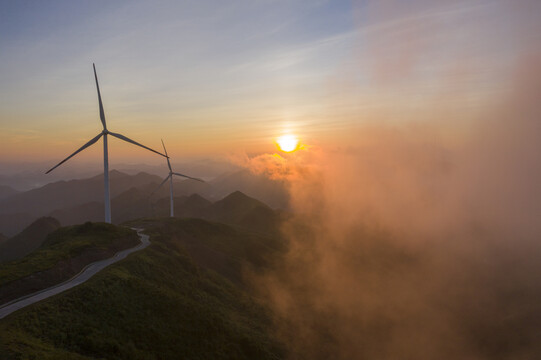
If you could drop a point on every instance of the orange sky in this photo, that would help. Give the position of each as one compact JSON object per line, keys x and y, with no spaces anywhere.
{"x":212,"y":80}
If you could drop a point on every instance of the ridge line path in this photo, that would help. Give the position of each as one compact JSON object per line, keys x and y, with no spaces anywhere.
{"x":85,"y":274}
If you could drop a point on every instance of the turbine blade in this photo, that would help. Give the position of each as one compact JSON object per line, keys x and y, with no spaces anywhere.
{"x":78,"y":151}
{"x":163,"y":182}
{"x":102,"y":113}
{"x":167,"y":156}
{"x":122,"y":137}
{"x":164,"y":149}
{"x":186,"y":176}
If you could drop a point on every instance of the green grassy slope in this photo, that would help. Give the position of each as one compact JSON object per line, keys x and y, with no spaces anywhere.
{"x":156,"y":304}
{"x":226,"y":249}
{"x":66,"y":243}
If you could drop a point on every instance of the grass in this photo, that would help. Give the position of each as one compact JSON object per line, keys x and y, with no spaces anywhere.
{"x":226,"y":249}
{"x":157,"y":304}
{"x":66,"y":243}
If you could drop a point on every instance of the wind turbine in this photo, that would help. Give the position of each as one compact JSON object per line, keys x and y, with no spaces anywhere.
{"x":104,"y":133}
{"x":170,"y":178}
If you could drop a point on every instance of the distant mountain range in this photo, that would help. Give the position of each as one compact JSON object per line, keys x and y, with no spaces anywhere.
{"x":24,"y":176}
{"x":77,"y":201}
{"x":11,"y":224}
{"x":65,"y":194}
{"x":7,"y":191}
{"x":235,"y":209}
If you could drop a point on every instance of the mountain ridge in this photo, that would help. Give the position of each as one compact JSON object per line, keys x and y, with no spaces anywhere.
{"x":76,"y":201}
{"x":7,"y":191}
{"x":162,"y":302}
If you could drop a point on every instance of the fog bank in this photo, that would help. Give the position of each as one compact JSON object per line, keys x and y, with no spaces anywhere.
{"x":406,"y":244}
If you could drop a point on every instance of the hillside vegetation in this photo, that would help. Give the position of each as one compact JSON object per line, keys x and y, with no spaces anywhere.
{"x":230,"y":251}
{"x":164,"y":302}
{"x":63,"y":254}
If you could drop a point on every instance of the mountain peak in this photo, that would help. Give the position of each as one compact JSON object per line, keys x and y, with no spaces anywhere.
{"x":240,"y":198}
{"x":42,"y":225}
{"x":115,"y":173}
{"x":197,"y":200}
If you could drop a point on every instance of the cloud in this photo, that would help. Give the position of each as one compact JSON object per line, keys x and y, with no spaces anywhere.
{"x":409,"y":244}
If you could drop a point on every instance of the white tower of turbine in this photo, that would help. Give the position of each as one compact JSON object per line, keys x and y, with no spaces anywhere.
{"x":170,"y":178}
{"x":104,"y":133}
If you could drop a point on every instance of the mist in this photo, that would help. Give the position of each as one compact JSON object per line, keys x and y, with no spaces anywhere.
{"x":409,"y":244}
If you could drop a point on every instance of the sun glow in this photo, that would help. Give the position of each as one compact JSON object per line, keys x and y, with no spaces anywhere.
{"x":288,"y":143}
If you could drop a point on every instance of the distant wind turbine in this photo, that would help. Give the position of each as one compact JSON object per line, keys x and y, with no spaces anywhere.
{"x":104,"y":133}
{"x":170,"y":178}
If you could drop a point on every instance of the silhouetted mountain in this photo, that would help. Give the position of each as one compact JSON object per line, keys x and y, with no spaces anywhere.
{"x":28,"y":240}
{"x":271,"y":192}
{"x":263,"y":220}
{"x":239,"y":209}
{"x":185,"y":206}
{"x":71,"y":202}
{"x":3,"y":238}
{"x":66,"y":194}
{"x":131,"y":204}
{"x":25,"y":176}
{"x":188,"y":187}
{"x":12,"y":224}
{"x":195,"y":205}
{"x":76,"y":201}
{"x":7,"y":191}
{"x":234,"y":207}
{"x":92,"y":211}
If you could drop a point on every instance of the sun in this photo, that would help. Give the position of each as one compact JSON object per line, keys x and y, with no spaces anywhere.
{"x":288,"y":143}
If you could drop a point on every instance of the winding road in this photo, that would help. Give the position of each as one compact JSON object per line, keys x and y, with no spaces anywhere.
{"x":85,"y":274}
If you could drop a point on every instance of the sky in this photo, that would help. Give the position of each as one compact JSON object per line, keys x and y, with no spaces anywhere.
{"x":215,"y":77}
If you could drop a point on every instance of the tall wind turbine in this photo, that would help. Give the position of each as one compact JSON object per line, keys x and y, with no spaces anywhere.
{"x":104,"y":133}
{"x":170,"y":178}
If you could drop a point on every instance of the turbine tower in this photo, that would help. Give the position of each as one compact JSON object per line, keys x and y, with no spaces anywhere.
{"x":104,"y":133}
{"x":170,"y":178}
